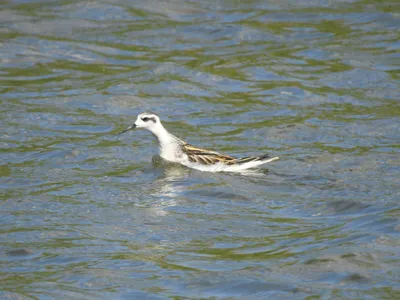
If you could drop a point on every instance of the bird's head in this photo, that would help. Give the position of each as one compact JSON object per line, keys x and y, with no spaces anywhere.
{"x":147,"y":121}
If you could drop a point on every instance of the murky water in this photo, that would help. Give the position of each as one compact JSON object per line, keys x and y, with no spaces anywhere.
{"x":86,"y":214}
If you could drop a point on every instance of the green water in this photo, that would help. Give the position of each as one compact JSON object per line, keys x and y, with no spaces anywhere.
{"x":87,"y":214}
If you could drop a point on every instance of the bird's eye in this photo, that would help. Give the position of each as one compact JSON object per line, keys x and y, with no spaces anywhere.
{"x":145,"y":119}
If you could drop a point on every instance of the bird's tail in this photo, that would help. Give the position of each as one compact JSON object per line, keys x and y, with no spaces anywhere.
{"x":253,"y":161}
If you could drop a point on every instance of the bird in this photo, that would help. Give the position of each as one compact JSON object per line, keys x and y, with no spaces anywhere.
{"x":176,"y":150}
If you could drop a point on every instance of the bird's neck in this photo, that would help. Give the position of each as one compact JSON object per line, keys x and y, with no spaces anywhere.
{"x":162,"y":135}
{"x":167,"y":142}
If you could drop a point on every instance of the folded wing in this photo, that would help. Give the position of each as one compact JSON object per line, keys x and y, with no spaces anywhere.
{"x":208,"y":157}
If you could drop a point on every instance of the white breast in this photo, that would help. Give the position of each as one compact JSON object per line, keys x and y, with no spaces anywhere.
{"x":170,"y":149}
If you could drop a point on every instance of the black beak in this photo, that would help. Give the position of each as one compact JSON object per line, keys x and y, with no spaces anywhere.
{"x":133,"y":126}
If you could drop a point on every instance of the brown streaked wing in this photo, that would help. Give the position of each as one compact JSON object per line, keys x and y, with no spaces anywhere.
{"x":206,"y":157}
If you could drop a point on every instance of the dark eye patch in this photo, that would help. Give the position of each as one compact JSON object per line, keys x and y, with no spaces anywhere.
{"x":145,"y":119}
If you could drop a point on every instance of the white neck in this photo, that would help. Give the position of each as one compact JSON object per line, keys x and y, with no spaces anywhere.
{"x":169,"y":148}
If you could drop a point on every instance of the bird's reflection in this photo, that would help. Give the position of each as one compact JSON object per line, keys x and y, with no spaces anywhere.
{"x":169,"y":185}
{"x":169,"y":171}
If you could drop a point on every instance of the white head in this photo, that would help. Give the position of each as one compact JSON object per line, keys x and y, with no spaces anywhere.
{"x":148,"y":121}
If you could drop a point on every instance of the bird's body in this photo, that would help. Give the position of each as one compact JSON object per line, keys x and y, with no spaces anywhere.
{"x":176,"y":150}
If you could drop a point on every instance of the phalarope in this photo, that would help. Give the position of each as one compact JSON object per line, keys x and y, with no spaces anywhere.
{"x":176,"y":150}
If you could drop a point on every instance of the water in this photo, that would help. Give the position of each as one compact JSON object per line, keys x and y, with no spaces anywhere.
{"x":86,"y":214}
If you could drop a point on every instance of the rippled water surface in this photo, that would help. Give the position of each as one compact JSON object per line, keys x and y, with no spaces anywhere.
{"x":87,"y":214}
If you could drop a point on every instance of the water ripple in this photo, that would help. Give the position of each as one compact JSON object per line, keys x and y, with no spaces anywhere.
{"x":88,"y":214}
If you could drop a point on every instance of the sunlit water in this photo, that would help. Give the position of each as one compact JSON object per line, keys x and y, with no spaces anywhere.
{"x":86,"y":214}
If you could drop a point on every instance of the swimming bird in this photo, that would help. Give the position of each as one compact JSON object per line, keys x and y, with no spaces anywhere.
{"x":176,"y":150}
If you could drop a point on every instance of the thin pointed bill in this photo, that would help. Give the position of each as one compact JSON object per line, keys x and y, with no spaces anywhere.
{"x":133,"y":126}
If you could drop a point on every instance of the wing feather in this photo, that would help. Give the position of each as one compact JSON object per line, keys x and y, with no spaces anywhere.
{"x":205,"y":156}
{"x":208,"y":157}
{"x":246,"y":159}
